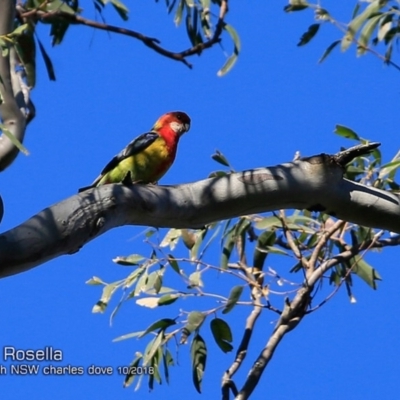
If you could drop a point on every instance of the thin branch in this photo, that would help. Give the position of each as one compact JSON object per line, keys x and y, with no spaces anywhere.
{"x":326,"y":235}
{"x":290,"y":240}
{"x":349,"y":271}
{"x":290,"y":318}
{"x":241,"y":353}
{"x":150,"y":42}
{"x":344,"y":29}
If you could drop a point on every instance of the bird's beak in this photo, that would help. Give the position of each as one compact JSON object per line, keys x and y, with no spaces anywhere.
{"x":187,"y":127}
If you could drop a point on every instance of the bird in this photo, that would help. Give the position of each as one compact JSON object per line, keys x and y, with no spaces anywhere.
{"x":148,"y":157}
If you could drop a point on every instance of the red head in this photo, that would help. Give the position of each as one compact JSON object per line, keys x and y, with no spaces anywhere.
{"x":177,"y":121}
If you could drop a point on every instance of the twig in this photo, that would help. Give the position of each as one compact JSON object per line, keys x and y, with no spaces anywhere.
{"x":291,"y":316}
{"x":241,"y":353}
{"x":150,"y":42}
{"x":344,"y":29}
{"x":348,"y":256}
{"x":321,"y":243}
{"x":290,"y":241}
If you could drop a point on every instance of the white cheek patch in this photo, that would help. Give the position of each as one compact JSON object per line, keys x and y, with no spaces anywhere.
{"x":176,"y":127}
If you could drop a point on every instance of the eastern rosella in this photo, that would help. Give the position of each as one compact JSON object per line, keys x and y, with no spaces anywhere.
{"x":148,"y":157}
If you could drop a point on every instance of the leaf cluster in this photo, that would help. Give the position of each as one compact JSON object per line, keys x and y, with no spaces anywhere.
{"x":374,"y":25}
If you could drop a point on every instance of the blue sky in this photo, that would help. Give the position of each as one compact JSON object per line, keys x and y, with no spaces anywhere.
{"x":277,"y":100}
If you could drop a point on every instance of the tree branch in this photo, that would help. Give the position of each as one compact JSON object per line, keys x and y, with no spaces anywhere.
{"x":290,"y":318}
{"x":241,"y":353}
{"x":303,"y":184}
{"x":153,"y":43}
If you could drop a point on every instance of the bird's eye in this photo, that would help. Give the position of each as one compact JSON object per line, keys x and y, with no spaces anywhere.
{"x":179,"y":116}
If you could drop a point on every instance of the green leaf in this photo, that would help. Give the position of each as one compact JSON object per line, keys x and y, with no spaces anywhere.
{"x":357,"y":22}
{"x":222,"y":334}
{"x":58,"y":5}
{"x":205,"y":20}
{"x":150,"y":233}
{"x":26,"y":49}
{"x":171,"y":6}
{"x":307,"y":36}
{"x":168,"y":299}
{"x":296,"y":6}
{"x":149,"y":302}
{"x":218,"y":174}
{"x":366,"y":33}
{"x":235,"y":37}
{"x":230,"y":240}
{"x":199,"y":238}
{"x":128,"y":336}
{"x":130,"y":376}
{"x":19,"y":30}
{"x":194,"y":321}
{"x":108,"y":291}
{"x":141,"y":284}
{"x":14,"y":140}
{"x":385,"y":24}
{"x":167,"y":362}
{"x":355,"y":10}
{"x":160,"y":324}
{"x":198,"y":352}
{"x":133,"y":259}
{"x":4,"y":50}
{"x":155,"y":362}
{"x":171,"y":238}
{"x":388,"y":53}
{"x":322,"y":15}
{"x":227,"y":249}
{"x":152,"y":348}
{"x":58,"y":30}
{"x":154,"y":281}
{"x":47,"y":61}
{"x":267,"y":238}
{"x":95,"y":281}
{"x":312,"y":241}
{"x":191,"y":26}
{"x":269,"y":222}
{"x":365,"y":271}
{"x":195,"y":280}
{"x":300,"y":219}
{"x":328,"y":50}
{"x":174,"y":264}
{"x":234,"y":297}
{"x":231,"y":61}
{"x":346,"y":132}
{"x":189,"y":238}
{"x":134,"y":276}
{"x":179,"y":11}
{"x":220,"y":158}
{"x":121,"y":9}
{"x":389,"y":168}
{"x":334,"y":278}
{"x":276,"y":250}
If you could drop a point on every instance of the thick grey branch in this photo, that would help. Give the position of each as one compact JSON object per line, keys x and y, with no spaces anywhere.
{"x":67,"y":226}
{"x":10,"y":113}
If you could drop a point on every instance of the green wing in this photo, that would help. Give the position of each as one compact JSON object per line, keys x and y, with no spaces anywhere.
{"x":136,"y":146}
